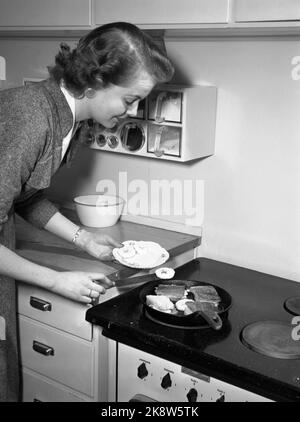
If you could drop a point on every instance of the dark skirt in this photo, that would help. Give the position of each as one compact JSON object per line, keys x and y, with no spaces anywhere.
{"x":9,"y":365}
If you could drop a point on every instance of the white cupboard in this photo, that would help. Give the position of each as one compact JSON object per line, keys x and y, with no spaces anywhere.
{"x":231,"y":16}
{"x":57,"y":355}
{"x":63,"y":357}
{"x":168,"y":12}
{"x":41,"y":13}
{"x":266,"y":10}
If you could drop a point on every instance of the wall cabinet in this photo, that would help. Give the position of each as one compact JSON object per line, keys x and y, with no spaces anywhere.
{"x":40,"y":13}
{"x":145,"y":12}
{"x":266,"y":10}
{"x":35,"y":17}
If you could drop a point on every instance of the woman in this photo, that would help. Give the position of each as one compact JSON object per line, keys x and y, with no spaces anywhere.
{"x":103,"y":78}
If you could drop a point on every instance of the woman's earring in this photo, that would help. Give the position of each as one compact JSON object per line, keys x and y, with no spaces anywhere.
{"x":90,"y":93}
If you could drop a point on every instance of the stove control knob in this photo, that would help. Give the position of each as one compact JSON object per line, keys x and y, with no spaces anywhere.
{"x":192,"y":395}
{"x":166,"y":381}
{"x":221,"y":398}
{"x":142,"y":371}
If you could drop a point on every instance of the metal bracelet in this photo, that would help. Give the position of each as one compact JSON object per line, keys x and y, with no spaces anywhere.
{"x":76,"y":235}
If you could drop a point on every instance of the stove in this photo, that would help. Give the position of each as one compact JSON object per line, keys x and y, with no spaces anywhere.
{"x":207,"y":364}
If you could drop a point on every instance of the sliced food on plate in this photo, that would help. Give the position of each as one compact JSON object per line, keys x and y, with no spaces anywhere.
{"x":141,"y":254}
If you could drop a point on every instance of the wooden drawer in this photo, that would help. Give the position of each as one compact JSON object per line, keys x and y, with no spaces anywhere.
{"x":61,"y":356}
{"x":39,"y":388}
{"x":65,"y":314}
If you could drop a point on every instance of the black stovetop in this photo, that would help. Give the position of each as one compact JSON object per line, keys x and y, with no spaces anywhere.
{"x":220,"y":354}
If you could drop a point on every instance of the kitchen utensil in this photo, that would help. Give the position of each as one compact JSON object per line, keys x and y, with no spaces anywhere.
{"x":132,"y":281}
{"x":204,"y":317}
{"x":123,"y":285}
{"x":99,"y":210}
{"x":209,"y":312}
{"x":141,"y":254}
{"x":271,"y":338}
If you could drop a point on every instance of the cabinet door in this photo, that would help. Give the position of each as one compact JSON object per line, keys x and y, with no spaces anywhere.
{"x":32,"y":13}
{"x":161,"y":11}
{"x":267,"y":10}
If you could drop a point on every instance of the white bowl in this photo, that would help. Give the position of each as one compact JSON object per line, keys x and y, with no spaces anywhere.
{"x":99,"y":210}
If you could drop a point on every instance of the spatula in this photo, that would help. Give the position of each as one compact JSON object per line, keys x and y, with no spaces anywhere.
{"x":208,"y":311}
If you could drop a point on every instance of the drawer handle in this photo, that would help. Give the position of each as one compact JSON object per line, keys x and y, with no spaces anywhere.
{"x":43,"y":348}
{"x":40,"y":304}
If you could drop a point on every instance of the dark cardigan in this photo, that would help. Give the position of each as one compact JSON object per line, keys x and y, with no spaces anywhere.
{"x":33,"y":122}
{"x":34,"y":119}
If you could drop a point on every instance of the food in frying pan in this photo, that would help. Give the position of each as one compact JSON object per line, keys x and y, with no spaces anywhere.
{"x":160,"y":303}
{"x":205,"y":294}
{"x":182,"y":304}
{"x":178,"y":299}
{"x":193,"y":306}
{"x":172,"y":291}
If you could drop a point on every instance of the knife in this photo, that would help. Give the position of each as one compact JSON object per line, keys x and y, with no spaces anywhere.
{"x":125,"y":284}
{"x":132,"y":281}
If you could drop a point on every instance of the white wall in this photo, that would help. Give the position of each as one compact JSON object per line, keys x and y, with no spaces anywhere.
{"x":252,"y":183}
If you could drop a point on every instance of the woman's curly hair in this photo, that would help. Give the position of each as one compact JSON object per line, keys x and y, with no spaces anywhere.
{"x":110,"y":54}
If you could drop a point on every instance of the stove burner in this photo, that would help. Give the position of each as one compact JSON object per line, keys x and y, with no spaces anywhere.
{"x":292,"y":305}
{"x":271,"y":338}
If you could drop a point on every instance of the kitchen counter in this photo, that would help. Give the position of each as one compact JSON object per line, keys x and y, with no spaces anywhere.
{"x":54,"y":334}
{"x":46,"y":249}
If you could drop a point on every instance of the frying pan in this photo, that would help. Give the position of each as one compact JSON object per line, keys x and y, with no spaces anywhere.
{"x":206,"y":316}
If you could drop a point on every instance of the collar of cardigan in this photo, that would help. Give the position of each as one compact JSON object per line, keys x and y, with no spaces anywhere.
{"x":65,"y":113}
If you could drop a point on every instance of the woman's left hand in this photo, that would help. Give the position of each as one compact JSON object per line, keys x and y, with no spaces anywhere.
{"x":97,"y":245}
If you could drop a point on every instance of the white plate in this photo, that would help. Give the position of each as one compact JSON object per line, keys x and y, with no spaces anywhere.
{"x":141,"y":254}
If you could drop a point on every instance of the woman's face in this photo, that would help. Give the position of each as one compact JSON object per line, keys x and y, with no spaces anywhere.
{"x":114,"y":102}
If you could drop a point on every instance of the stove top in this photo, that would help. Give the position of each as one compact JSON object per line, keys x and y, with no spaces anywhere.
{"x":256,"y":297}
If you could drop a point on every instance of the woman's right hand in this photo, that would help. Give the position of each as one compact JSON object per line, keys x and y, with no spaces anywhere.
{"x":80,"y":285}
